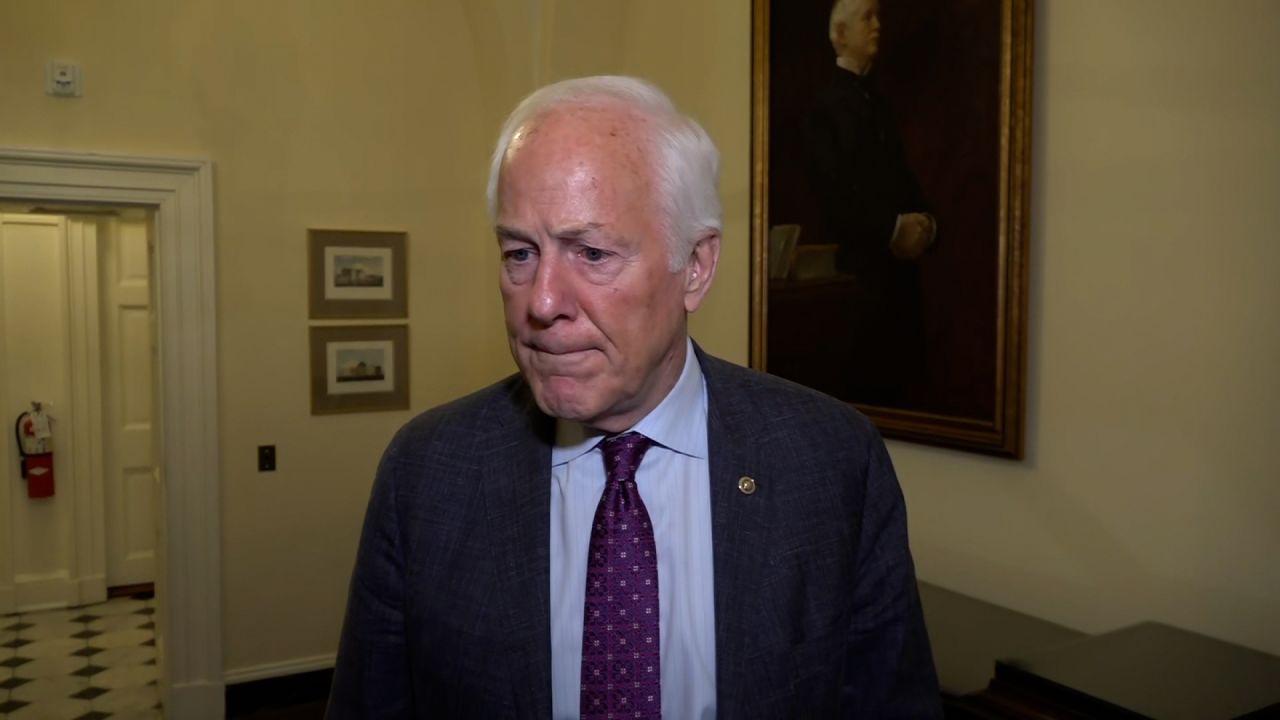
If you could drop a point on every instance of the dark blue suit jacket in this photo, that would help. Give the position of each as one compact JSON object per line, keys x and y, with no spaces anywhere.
{"x":816,"y":608}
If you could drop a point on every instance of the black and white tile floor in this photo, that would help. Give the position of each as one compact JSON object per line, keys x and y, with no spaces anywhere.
{"x":87,"y":663}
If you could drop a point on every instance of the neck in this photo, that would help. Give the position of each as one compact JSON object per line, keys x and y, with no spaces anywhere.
{"x":858,"y":66}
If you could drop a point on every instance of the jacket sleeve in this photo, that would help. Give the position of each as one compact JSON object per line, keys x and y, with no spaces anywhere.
{"x":889,"y":669}
{"x":372,"y":678}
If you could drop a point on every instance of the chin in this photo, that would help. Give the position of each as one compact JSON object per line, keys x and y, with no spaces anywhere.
{"x":563,"y":398}
{"x":579,"y":401}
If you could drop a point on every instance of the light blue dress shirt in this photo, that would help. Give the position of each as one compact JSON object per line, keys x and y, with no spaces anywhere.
{"x":674,"y":482}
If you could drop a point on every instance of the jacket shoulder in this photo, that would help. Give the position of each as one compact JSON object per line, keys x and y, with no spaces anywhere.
{"x":457,"y":430}
{"x":769,"y":400}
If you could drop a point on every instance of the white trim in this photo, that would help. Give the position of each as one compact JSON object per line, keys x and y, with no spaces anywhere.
{"x":189,"y":628}
{"x":91,"y":588}
{"x":195,"y":700}
{"x":56,"y":589}
{"x":8,"y":597}
{"x":32,"y":593}
{"x":281,"y":669}
{"x":89,"y":559}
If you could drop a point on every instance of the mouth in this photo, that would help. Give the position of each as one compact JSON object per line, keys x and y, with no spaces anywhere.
{"x":557,"y":350}
{"x":560,"y":359}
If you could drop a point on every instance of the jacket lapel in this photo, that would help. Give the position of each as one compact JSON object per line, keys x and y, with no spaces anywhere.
{"x":739,"y":531}
{"x":517,"y":498}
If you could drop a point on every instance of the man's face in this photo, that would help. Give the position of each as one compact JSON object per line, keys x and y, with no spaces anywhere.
{"x":861,"y":31}
{"x":595,"y":317}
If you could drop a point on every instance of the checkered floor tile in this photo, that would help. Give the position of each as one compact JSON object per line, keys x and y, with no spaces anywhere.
{"x":86,"y":663}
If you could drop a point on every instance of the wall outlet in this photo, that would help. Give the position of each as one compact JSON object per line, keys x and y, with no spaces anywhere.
{"x":266,"y":458}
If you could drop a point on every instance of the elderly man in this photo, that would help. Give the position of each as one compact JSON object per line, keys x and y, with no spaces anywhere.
{"x":629,"y":527}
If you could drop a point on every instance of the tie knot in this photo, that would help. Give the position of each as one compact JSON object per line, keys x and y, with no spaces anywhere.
{"x":622,"y":455}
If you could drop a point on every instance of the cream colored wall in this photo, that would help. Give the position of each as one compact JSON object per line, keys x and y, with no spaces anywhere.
{"x":1151,"y":487}
{"x":331,"y":114}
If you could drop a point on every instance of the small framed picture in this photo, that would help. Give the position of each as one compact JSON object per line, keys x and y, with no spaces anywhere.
{"x":357,"y":274}
{"x":359,"y":368}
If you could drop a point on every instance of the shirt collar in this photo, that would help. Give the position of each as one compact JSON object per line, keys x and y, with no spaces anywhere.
{"x":678,"y":423}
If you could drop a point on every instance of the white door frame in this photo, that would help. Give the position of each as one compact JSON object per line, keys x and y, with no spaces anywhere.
{"x":189,"y":626}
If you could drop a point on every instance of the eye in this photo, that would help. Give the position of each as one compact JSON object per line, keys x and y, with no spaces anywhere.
{"x":593,"y":255}
{"x":518,"y":255}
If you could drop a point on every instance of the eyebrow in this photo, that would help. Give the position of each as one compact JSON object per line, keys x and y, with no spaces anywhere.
{"x":578,"y":232}
{"x":573,"y":232}
{"x":505,"y":231}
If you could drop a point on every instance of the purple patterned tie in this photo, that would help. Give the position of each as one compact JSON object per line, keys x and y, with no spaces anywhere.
{"x":620,"y":663}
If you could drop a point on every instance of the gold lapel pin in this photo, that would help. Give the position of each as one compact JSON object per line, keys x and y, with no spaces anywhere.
{"x":746,"y":485}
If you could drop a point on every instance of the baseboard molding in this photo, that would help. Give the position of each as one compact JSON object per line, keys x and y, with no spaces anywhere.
{"x":196,"y":701}
{"x":280,"y":669}
{"x":31,"y":593}
{"x":44,"y":592}
{"x":92,"y":589}
{"x":298,"y":694}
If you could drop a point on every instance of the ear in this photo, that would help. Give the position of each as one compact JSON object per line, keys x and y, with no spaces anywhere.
{"x":841,"y":28}
{"x":700,"y":270}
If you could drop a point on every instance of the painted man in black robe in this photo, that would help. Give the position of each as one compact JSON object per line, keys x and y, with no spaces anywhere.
{"x":872,"y":208}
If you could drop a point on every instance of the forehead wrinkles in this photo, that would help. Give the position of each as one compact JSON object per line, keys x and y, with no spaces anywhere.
{"x":602,"y":145}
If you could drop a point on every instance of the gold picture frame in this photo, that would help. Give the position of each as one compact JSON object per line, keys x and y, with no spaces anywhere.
{"x":945,"y":366}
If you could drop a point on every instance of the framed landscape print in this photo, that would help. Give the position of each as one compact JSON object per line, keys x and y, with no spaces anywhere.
{"x":357,"y":274}
{"x":889,"y":210}
{"x":359,"y":368}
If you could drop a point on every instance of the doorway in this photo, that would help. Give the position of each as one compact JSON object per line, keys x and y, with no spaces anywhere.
{"x":76,"y":336}
{"x":179,"y":195}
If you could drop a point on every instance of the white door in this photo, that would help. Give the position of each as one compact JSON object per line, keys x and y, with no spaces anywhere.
{"x":36,"y":554}
{"x":51,"y":354}
{"x":127,"y":401}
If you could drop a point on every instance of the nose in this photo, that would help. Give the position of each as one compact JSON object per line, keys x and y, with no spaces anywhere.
{"x":552,"y":293}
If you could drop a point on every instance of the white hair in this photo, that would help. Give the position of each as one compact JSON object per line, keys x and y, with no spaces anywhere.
{"x":686,"y":163}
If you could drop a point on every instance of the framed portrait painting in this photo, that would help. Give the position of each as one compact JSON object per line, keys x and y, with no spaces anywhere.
{"x":360,"y":368}
{"x":356,"y":274}
{"x":890,"y":163}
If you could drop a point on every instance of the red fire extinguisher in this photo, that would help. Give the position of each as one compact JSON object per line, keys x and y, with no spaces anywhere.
{"x":35,"y":444}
